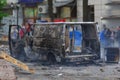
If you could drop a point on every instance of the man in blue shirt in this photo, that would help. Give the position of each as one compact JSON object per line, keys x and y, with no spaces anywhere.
{"x":102,"y":38}
{"x":103,"y":41}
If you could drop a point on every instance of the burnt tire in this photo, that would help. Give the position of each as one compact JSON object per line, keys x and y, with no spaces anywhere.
{"x":51,"y":58}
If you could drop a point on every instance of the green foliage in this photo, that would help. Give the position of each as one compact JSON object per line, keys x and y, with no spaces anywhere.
{"x":3,"y":3}
{"x":2,"y":14}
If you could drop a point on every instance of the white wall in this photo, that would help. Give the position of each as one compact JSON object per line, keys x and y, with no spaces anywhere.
{"x":112,"y":23}
{"x":12,"y":1}
{"x":103,"y":10}
{"x":109,"y":11}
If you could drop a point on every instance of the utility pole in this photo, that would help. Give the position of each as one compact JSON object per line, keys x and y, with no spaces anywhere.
{"x":50,"y":9}
{"x":85,"y":10}
{"x":17,"y":8}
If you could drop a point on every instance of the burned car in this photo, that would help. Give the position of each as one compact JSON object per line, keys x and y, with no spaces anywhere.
{"x":58,"y":41}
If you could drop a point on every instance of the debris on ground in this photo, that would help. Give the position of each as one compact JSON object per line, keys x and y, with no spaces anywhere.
{"x":60,"y":72}
{"x":101,"y":70}
{"x":5,"y":48}
{"x":6,"y":71}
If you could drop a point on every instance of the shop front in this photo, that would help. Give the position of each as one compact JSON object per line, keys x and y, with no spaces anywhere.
{"x":30,"y":10}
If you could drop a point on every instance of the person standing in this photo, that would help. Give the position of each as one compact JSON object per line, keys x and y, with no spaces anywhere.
{"x":102,"y":42}
{"x":22,"y":31}
{"x":104,"y":36}
{"x":112,"y":38}
{"x":28,"y":28}
{"x":14,"y":37}
{"x":118,"y":36}
{"x":107,"y":37}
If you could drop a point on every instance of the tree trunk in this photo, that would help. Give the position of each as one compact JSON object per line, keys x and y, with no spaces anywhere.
{"x":85,"y":10}
{"x":50,"y":9}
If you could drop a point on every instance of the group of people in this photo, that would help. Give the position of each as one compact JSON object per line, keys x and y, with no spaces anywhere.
{"x":26,"y":29}
{"x":17,"y":42}
{"x":109,"y":37}
{"x":17,"y":32}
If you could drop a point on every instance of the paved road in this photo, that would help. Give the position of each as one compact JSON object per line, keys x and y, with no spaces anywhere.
{"x":57,"y":72}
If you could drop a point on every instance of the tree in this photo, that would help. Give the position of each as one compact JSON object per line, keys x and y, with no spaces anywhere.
{"x":85,"y":10}
{"x":2,"y":4}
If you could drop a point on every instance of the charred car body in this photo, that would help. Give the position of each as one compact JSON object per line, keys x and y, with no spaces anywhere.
{"x":58,"y":41}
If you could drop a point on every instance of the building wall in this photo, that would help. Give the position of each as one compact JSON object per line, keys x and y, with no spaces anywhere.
{"x":111,"y":10}
{"x":79,"y":10}
{"x":12,"y":1}
{"x":101,"y":10}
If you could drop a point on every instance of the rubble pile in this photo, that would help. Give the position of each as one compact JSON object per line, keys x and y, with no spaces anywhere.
{"x":6,"y":71}
{"x":5,"y":48}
